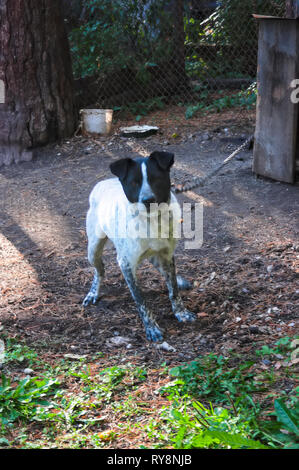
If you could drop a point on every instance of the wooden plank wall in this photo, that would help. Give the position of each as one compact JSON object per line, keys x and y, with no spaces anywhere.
{"x":276,"y":136}
{"x":292,"y":8}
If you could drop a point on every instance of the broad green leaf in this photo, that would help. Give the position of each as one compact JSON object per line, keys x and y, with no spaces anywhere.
{"x":234,"y":440}
{"x":175,"y":371}
{"x":285,"y":416}
{"x":204,"y":441}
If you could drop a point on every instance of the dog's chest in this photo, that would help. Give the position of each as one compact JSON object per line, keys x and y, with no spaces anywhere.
{"x":134,"y":233}
{"x":146,"y":237}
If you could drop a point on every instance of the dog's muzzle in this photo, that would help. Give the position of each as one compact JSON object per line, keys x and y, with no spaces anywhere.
{"x":148,"y":201}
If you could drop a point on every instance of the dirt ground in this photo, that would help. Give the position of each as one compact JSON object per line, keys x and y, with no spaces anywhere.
{"x":245,"y":276}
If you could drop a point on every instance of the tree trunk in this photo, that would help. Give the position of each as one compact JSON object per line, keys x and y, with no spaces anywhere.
{"x":36,"y":71}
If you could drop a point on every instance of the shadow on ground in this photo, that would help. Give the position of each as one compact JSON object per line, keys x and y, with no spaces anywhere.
{"x":244,"y":275}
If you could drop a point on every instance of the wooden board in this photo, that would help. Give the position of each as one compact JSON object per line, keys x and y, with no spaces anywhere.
{"x":277,"y":117}
{"x":138,"y":131}
{"x":292,"y":8}
{"x":267,"y":17}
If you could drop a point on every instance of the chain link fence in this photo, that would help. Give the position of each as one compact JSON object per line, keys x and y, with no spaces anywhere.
{"x":141,"y":55}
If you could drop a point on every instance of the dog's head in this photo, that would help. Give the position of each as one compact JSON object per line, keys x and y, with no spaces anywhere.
{"x":145,"y":180}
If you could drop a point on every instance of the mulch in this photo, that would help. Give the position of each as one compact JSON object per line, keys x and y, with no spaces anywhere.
{"x":245,"y":275}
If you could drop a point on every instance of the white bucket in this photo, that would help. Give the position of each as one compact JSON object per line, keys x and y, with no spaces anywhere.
{"x":96,"y":121}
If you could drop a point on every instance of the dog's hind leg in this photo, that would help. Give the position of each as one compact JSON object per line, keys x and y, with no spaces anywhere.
{"x":95,"y":250}
{"x":183,"y":284}
{"x":168,"y":270}
{"x":153,"y":332}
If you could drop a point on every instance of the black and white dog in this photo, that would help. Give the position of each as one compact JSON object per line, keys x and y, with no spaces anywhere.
{"x":145,"y":183}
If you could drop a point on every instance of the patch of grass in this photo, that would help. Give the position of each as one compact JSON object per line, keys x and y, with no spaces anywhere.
{"x":284,"y":429}
{"x":242,"y":99}
{"x":17,"y":352}
{"x":282,"y":347}
{"x":199,"y":426}
{"x":212,"y":377}
{"x":212,"y":402}
{"x":242,"y":420}
{"x":24,"y":399}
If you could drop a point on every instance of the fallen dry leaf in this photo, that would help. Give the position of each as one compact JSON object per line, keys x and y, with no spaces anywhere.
{"x":202,"y":314}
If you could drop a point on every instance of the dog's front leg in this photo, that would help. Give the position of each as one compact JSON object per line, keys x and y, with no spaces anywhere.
{"x":153,"y":332}
{"x":169,"y":271}
{"x":182,"y":283}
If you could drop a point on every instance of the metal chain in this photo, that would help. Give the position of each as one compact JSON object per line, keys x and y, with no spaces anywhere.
{"x":200,"y":181}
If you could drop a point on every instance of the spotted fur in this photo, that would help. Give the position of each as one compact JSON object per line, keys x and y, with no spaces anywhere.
{"x":113,"y":209}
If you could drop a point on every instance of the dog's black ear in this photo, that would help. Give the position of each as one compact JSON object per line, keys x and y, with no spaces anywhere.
{"x":120,"y":167}
{"x":164,"y":159}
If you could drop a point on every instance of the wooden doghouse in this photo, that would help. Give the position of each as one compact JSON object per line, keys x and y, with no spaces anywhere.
{"x":276,"y":147}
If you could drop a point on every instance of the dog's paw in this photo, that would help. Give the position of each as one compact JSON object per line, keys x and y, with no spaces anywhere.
{"x":153,"y":333}
{"x":185,"y":315}
{"x":183,"y":284}
{"x":91,"y":298}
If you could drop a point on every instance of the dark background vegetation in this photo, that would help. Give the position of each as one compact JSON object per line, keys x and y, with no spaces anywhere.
{"x":143,"y":54}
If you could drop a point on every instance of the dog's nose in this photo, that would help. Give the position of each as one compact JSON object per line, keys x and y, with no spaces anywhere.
{"x":148,"y":200}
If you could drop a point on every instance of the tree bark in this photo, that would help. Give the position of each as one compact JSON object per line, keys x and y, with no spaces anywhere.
{"x":35,"y":68}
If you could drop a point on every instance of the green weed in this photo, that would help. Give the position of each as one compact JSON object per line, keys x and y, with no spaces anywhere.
{"x":205,"y":427}
{"x":212,"y":377}
{"x":24,"y":399}
{"x":245,"y":99}
{"x":18,"y":352}
{"x":213,"y":402}
{"x":283,"y":430}
{"x":282,"y":347}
